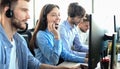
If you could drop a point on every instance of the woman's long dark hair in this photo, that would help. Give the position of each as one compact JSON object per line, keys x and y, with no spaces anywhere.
{"x":42,"y":23}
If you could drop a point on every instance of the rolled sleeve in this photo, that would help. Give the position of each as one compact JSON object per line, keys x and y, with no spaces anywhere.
{"x":78,"y":46}
{"x":67,"y":56}
{"x":33,"y":63}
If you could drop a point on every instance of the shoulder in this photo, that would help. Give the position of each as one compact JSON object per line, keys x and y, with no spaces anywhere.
{"x":62,"y":24}
{"x":21,"y":42}
{"x":41,"y":33}
{"x":19,"y":37}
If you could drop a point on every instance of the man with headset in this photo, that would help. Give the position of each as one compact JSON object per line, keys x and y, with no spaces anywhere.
{"x":14,"y":53}
{"x":68,"y":31}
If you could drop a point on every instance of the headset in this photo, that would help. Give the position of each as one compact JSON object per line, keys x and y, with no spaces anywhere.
{"x":9,"y":12}
{"x":23,"y":31}
{"x":45,"y":8}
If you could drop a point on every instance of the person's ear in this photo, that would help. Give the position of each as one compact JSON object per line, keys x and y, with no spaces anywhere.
{"x":9,"y":11}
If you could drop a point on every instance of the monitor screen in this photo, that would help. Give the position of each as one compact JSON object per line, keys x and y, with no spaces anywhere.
{"x":99,"y":25}
{"x":96,"y":36}
{"x":115,"y":27}
{"x":113,"y":59}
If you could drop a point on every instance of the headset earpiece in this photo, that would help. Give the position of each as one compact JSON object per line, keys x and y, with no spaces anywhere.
{"x":45,"y":9}
{"x":9,"y":12}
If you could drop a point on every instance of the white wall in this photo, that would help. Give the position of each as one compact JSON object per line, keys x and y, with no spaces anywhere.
{"x":99,"y":6}
{"x":31,"y":12}
{"x":108,"y":8}
{"x":63,"y":4}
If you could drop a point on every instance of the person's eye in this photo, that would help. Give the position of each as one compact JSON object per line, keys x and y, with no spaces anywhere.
{"x":53,"y":15}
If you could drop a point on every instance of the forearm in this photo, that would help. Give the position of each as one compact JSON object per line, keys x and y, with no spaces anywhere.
{"x":68,"y":56}
{"x":78,"y":46}
{"x":46,"y":66}
{"x":54,"y":56}
{"x":82,"y":54}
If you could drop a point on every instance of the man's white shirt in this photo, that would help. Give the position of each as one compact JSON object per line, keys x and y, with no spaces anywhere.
{"x":84,"y":37}
{"x":13,"y":59}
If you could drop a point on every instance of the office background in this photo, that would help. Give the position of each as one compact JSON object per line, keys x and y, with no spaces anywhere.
{"x":106,"y":8}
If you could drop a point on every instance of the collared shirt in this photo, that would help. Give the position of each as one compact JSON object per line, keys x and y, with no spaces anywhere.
{"x":25,"y":58}
{"x":70,"y":37}
{"x":50,"y":49}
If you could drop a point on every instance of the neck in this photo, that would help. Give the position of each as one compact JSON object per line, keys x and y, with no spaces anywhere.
{"x":8,"y":28}
{"x":70,"y":20}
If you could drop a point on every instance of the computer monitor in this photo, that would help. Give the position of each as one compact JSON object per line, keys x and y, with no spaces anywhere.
{"x":96,"y":34}
{"x":99,"y":26}
{"x":115,"y":27}
{"x":113,"y":52}
{"x":114,"y":39}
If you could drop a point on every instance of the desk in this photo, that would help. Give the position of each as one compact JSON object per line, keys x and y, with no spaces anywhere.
{"x":71,"y":64}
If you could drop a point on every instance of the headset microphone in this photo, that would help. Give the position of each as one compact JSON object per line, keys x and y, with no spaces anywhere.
{"x":23,"y":31}
{"x":9,"y":13}
{"x":18,"y":21}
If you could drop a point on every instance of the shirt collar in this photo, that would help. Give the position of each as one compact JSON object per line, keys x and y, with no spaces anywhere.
{"x":15,"y":36}
{"x":2,"y":32}
{"x":69,"y":26}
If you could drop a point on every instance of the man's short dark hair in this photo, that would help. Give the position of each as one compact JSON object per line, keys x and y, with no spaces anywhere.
{"x":87,"y":17}
{"x":74,"y":9}
{"x":4,"y":3}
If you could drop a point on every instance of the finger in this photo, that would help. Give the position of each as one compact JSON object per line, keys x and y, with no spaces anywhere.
{"x":53,"y":25}
{"x":50,"y":26}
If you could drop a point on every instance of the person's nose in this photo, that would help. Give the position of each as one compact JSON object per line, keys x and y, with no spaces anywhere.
{"x":58,"y":17}
{"x":27,"y":16}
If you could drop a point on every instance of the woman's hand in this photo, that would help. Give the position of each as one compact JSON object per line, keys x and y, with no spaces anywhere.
{"x":52,"y":27}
